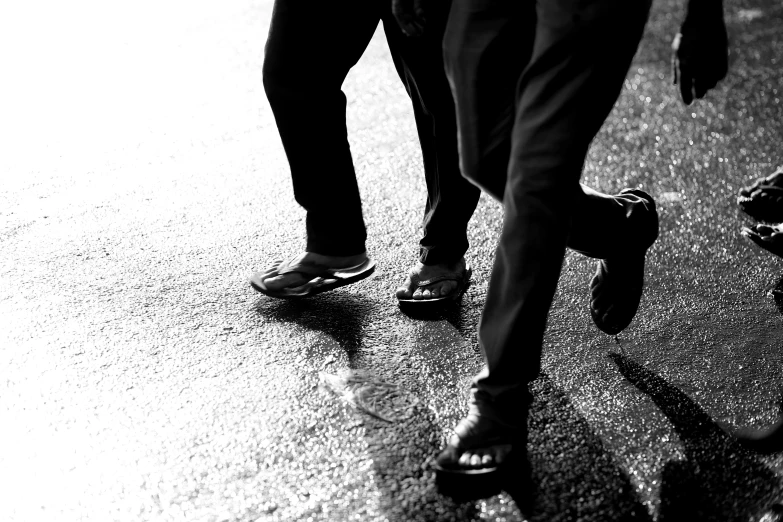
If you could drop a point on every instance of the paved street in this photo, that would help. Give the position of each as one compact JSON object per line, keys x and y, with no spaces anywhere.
{"x":142,"y":379}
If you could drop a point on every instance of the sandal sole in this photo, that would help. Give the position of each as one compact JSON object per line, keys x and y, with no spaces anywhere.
{"x":365,"y":271}
{"x":438,"y":303}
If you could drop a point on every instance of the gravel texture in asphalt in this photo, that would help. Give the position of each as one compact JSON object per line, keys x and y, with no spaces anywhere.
{"x":141,"y":379}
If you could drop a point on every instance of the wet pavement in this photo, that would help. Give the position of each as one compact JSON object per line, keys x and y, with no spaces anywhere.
{"x":142,"y":379}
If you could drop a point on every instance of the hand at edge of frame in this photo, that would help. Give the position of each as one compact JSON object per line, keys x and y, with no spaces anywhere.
{"x":700,"y":54}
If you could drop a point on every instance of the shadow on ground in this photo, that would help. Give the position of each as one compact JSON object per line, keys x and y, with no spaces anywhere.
{"x":718,"y":480}
{"x":340,"y":316}
{"x":460,"y":314}
{"x":573,"y":476}
{"x":400,"y":451}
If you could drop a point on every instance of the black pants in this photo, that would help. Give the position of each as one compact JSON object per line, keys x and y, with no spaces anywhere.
{"x":533,"y":82}
{"x":311,"y":47}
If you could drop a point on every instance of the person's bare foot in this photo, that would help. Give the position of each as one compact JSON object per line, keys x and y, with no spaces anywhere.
{"x":770,"y":233}
{"x":768,"y":237}
{"x":422,"y":272}
{"x":478,"y":443}
{"x":275,"y":282}
{"x":763,"y":200}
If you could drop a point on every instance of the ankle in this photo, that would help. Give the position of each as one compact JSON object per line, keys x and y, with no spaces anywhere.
{"x":330,"y":260}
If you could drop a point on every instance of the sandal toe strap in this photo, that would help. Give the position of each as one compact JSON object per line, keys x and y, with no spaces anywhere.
{"x":438,"y":279}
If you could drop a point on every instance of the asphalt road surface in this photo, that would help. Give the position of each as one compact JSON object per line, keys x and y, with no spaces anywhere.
{"x":141,"y":379}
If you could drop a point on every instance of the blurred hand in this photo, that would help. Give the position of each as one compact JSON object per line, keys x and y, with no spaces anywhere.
{"x":410,"y":16}
{"x":700,"y":55}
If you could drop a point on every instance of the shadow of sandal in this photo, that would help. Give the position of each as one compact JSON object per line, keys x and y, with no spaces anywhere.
{"x":572,"y":476}
{"x":395,"y":446}
{"x":342,"y":317}
{"x":718,"y":480}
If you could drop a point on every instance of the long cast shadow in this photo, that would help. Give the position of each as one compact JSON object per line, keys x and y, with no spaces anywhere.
{"x":571,"y":475}
{"x":393,"y":447}
{"x":718,"y":480}
{"x":340,"y":316}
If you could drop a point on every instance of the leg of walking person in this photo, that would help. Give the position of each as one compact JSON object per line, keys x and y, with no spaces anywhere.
{"x":310,"y":49}
{"x":451,"y":199}
{"x":580,"y":56}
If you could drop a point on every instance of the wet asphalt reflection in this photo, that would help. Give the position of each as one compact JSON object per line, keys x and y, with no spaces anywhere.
{"x":143,"y":380}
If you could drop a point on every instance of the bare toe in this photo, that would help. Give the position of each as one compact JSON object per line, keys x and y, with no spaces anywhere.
{"x":464,"y":459}
{"x":764,"y":230}
{"x":438,"y":287}
{"x":403,"y":293}
{"x":448,"y":287}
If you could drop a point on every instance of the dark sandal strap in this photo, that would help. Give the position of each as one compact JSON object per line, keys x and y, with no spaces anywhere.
{"x":769,"y":191}
{"x":765,"y":183}
{"x":433,"y":280}
{"x":315,"y":270}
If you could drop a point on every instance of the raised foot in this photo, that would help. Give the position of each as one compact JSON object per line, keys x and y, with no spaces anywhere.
{"x":616,"y":289}
{"x":276,"y":282}
{"x":308,"y":274}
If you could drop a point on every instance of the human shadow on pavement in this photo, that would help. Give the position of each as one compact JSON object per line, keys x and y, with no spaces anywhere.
{"x":463,"y":314}
{"x":339,"y":315}
{"x":718,"y":480}
{"x":572,"y":476}
{"x":399,"y":450}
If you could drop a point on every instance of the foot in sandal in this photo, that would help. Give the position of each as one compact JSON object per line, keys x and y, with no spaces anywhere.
{"x":768,"y":237}
{"x":310,"y":273}
{"x":439,"y":282}
{"x":763,"y":200}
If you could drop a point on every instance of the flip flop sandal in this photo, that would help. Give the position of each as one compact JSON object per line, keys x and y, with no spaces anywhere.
{"x":464,"y":484}
{"x":764,"y":241}
{"x":323,"y":278}
{"x":463,"y":281}
{"x":763,"y":200}
{"x":469,"y":483}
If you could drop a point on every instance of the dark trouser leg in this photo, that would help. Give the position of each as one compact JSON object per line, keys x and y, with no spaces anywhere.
{"x":580,"y":56}
{"x":310,"y":49}
{"x":614,"y":223}
{"x":487,"y":45}
{"x":451,"y":199}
